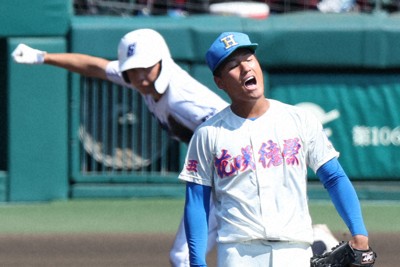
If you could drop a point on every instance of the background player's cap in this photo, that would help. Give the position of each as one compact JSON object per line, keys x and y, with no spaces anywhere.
{"x":225,"y":45}
{"x":141,"y":49}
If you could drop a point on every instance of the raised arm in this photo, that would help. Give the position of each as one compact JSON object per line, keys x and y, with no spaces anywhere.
{"x":79,"y":63}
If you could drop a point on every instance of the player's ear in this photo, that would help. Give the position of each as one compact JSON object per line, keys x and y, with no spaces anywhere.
{"x":219,"y":82}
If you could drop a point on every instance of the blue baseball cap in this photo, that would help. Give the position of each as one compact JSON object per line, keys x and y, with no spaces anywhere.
{"x":226,"y":44}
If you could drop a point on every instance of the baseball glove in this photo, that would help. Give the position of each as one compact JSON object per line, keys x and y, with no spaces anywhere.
{"x":343,"y":255}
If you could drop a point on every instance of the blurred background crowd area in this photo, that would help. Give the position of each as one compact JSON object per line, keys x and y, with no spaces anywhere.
{"x":188,"y":7}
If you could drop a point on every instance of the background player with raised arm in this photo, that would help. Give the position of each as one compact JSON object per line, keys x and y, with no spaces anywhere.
{"x":177,"y":100}
{"x":252,"y":157}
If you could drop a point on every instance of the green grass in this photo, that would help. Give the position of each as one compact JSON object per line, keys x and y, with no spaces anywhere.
{"x":379,"y":216}
{"x":154,"y":215}
{"x":148,"y":215}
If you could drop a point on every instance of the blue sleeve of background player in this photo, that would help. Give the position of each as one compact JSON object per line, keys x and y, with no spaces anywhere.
{"x":343,"y":195}
{"x":197,"y":208}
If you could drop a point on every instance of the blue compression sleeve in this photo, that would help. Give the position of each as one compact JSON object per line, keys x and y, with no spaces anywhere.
{"x":197,"y":208}
{"x":343,"y":195}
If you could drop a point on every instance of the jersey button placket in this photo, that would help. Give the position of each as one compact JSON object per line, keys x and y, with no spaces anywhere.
{"x":260,"y":180}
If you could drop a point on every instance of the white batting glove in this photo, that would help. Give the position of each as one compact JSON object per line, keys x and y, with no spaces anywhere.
{"x":27,"y":55}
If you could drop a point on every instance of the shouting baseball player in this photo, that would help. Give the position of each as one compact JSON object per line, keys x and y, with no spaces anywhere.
{"x":177,"y":100}
{"x":252,"y":157}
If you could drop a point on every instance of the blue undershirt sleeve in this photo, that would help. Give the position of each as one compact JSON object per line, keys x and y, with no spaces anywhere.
{"x":343,"y":195}
{"x":197,"y":206}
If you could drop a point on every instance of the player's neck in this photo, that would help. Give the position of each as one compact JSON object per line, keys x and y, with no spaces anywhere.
{"x":156,"y":95}
{"x":251,"y":110}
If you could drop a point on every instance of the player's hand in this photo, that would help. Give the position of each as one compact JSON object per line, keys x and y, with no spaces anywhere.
{"x":28,"y":55}
{"x":359,"y":242}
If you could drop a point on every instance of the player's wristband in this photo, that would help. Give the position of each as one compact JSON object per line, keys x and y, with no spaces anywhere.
{"x":40,"y":57}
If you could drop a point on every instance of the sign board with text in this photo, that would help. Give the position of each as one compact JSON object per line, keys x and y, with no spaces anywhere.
{"x":359,"y":112}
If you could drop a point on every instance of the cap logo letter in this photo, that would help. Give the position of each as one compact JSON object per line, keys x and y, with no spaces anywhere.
{"x":229,"y":41}
{"x":131,"y":50}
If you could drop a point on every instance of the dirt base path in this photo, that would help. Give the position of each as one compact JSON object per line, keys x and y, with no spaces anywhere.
{"x":141,"y":250}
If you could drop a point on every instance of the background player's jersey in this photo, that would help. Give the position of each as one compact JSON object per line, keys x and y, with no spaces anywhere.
{"x":185,"y":104}
{"x":258,"y":171}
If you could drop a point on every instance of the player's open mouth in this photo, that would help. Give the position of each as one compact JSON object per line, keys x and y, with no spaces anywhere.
{"x":250,"y":82}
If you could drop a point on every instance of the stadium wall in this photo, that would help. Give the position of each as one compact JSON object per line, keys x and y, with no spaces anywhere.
{"x":345,"y":67}
{"x":33,"y":165}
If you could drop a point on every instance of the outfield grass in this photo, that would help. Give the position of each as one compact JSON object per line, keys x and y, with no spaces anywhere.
{"x":379,"y":216}
{"x":154,"y":215}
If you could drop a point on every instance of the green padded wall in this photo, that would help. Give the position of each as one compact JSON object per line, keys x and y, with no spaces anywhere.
{"x":184,"y":36}
{"x":35,"y":17}
{"x":3,"y":106}
{"x":297,"y":40}
{"x":330,"y":40}
{"x":37,"y":130}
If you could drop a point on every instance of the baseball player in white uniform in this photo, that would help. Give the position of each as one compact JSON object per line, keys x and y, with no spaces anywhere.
{"x":177,"y":100}
{"x":252,"y":157}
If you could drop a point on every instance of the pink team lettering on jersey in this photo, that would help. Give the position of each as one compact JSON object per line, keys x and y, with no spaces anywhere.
{"x":244,"y":161}
{"x":270,"y":151}
{"x":240,"y":163}
{"x":224,"y":168}
{"x":192,"y":165}
{"x":290,"y":150}
{"x":270,"y":156}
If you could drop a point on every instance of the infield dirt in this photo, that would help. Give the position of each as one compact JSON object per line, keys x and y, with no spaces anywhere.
{"x":141,"y":250}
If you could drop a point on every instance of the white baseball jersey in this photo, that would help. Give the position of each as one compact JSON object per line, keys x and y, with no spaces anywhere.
{"x":258,"y":171}
{"x":185,"y":104}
